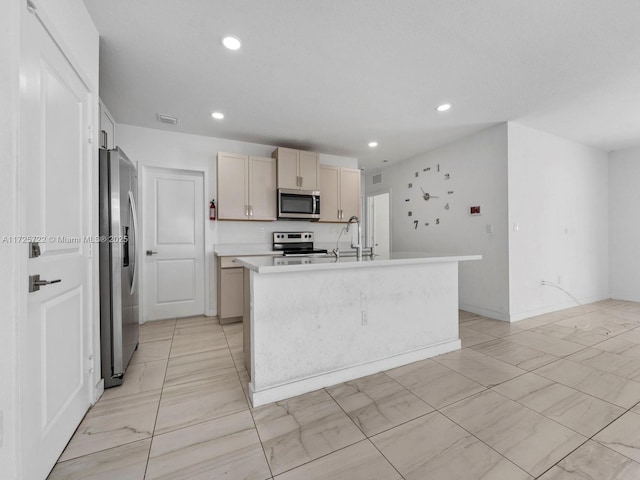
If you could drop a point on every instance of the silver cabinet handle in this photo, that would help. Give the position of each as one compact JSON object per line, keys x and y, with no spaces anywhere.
{"x":151,"y":252}
{"x":246,"y":210}
{"x":35,"y":283}
{"x":250,"y":211}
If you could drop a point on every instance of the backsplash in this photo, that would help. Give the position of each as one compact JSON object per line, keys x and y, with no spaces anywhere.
{"x":226,"y":232}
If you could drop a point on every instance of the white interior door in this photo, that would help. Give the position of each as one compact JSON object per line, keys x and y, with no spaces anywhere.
{"x":173,"y":243}
{"x":54,"y":366}
{"x":379,"y":216}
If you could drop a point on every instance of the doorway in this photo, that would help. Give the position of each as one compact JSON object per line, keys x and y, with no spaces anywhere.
{"x":173,"y":243}
{"x":379,"y":225}
{"x":55,"y":356}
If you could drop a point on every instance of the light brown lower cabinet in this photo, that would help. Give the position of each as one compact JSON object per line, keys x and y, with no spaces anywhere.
{"x":230,"y":273}
{"x":230,"y":290}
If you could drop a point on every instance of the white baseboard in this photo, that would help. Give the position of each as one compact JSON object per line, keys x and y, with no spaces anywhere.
{"x":554,"y":308}
{"x":514,"y":317}
{"x":98,"y":391}
{"x":626,"y":298}
{"x":485,"y":312}
{"x":309,"y":384}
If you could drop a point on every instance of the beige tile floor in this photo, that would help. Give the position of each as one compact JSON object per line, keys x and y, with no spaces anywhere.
{"x":551,"y":397}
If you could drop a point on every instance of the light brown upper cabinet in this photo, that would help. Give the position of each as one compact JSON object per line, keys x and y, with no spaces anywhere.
{"x":297,"y":169}
{"x":246,"y":187}
{"x":339,"y":193}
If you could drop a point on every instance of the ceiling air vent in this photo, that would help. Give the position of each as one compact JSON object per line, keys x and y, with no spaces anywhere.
{"x":377,"y":178}
{"x":168,"y":119}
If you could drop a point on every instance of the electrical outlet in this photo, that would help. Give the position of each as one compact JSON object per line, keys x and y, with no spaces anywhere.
{"x":363,"y":316}
{"x":559,"y":280}
{"x":261,"y":231}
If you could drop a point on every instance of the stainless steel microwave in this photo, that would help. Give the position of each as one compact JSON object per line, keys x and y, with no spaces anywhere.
{"x":298,"y":204}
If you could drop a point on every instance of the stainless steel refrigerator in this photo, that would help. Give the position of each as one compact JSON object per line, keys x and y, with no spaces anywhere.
{"x":119,"y":287}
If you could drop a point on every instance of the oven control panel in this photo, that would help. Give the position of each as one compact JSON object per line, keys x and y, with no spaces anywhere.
{"x":292,"y":237}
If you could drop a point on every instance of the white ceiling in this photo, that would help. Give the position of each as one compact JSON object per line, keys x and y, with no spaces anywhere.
{"x":332,"y":75}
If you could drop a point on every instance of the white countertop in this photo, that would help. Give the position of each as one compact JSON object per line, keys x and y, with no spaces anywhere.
{"x":271,"y":264}
{"x":239,"y":249}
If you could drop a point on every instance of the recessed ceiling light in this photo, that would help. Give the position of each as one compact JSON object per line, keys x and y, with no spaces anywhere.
{"x":217,"y":115}
{"x":373,"y":144}
{"x":232,"y":43}
{"x":444,"y":107}
{"x":385,"y":161}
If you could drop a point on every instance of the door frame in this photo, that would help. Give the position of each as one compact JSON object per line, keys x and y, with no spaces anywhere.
{"x":143,"y":172}
{"x":370,"y":216}
{"x":19,"y":274}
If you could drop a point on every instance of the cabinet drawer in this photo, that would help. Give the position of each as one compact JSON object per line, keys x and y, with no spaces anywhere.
{"x":229,"y":262}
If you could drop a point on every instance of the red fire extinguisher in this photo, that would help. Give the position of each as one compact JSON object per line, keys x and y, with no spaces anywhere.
{"x":212,"y":210}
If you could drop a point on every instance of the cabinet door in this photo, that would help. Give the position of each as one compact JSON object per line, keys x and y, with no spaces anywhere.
{"x":309,"y":170}
{"x":287,"y":167}
{"x":233,"y":186}
{"x":231,"y":292}
{"x":108,"y":125}
{"x":262,"y":188}
{"x":349,"y":192}
{"x":329,"y":193}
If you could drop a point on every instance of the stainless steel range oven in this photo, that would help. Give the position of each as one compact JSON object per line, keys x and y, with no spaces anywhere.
{"x":295,"y":244}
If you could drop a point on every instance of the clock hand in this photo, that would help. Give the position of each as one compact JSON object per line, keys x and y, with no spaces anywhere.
{"x":427,"y":196}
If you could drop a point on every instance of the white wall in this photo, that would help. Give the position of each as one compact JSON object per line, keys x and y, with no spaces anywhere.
{"x":159,"y":148}
{"x":624,"y":224}
{"x":478,"y":169}
{"x":558,"y":201}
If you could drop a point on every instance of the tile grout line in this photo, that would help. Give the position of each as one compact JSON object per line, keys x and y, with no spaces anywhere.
{"x":367,"y":437}
{"x":266,"y":459}
{"x":482,"y":441}
{"x":587,"y":438}
{"x":491,"y":388}
{"x":153,"y":432}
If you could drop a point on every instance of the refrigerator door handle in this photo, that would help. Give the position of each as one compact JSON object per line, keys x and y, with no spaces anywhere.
{"x":134,"y":215}
{"x":125,"y":246}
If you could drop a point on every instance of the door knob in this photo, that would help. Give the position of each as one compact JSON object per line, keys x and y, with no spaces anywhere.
{"x":151,"y":252}
{"x":35,"y":283}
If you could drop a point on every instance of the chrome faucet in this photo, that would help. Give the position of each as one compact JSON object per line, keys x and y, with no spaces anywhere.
{"x":357,"y":246}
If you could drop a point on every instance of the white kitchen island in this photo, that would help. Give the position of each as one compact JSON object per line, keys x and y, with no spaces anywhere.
{"x":314,"y":322}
